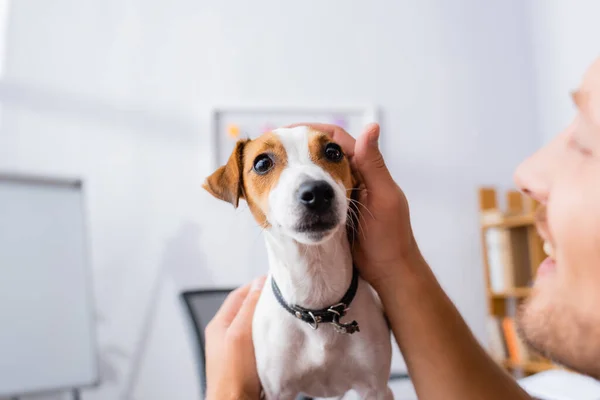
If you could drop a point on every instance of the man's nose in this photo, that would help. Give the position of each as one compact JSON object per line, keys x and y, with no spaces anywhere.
{"x":535,"y":174}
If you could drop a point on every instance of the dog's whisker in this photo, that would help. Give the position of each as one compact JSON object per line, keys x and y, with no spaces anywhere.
{"x":361,"y":216}
{"x":361,"y":204}
{"x":351,"y":218}
{"x":357,"y":214}
{"x":353,"y":234}
{"x":353,"y":210}
{"x":352,"y":224}
{"x":361,"y":231}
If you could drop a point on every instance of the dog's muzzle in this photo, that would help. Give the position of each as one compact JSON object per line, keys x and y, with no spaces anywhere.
{"x":317,"y":200}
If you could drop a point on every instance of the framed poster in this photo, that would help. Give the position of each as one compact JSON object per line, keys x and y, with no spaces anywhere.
{"x":230,"y":123}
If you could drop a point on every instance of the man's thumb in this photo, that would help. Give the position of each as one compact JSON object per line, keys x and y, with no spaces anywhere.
{"x":246,"y":312}
{"x":369,"y":160}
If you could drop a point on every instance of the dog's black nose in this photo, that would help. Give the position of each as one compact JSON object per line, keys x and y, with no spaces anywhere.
{"x":316,"y":195}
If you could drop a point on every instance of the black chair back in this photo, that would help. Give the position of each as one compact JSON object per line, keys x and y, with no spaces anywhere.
{"x":201,"y":307}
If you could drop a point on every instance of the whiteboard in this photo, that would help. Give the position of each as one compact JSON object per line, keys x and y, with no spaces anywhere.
{"x":47,"y":336}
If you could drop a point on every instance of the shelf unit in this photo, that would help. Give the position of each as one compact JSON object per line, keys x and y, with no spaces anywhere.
{"x":517,"y":222}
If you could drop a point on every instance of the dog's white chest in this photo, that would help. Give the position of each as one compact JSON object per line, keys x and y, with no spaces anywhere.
{"x":293,"y":358}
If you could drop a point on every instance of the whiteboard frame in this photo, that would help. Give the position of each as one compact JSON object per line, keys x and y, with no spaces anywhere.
{"x":370,"y":113}
{"x":33,"y":179}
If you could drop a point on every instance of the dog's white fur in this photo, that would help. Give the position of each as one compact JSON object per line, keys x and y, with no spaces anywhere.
{"x":292,"y":358}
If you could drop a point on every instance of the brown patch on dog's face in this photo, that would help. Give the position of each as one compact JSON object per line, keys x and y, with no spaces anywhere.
{"x":257,"y":184}
{"x":321,"y":149}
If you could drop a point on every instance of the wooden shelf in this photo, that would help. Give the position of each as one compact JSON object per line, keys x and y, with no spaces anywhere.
{"x":514,"y":292}
{"x":511,"y":222}
{"x":531,"y":367}
{"x":511,"y":254}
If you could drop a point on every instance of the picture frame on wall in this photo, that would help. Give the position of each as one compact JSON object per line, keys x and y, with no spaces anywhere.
{"x":234,"y":122}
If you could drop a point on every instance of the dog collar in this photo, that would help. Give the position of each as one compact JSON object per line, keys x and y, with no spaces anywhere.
{"x":330,"y":315}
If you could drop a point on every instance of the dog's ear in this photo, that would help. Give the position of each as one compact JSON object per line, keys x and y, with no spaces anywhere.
{"x":226,"y":182}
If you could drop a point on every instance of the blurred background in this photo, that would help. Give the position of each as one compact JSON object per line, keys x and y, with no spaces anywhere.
{"x":122,"y":94}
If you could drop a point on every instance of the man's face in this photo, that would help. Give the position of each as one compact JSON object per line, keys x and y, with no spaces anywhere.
{"x":562,"y":317}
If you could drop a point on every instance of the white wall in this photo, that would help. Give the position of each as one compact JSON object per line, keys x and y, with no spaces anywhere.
{"x":119,"y":92}
{"x":566,"y":41}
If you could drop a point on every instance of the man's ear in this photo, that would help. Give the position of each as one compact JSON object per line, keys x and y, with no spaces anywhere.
{"x":226,"y":182}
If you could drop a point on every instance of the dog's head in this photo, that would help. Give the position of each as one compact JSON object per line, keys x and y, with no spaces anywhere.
{"x":295,"y":180}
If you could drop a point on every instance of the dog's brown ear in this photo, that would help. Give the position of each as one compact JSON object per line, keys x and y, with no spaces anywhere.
{"x":226,"y":182}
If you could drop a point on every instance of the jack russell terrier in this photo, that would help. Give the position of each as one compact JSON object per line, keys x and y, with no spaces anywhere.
{"x":319,"y":330}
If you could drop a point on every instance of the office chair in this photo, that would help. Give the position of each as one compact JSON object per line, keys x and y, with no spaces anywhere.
{"x":201,"y":306}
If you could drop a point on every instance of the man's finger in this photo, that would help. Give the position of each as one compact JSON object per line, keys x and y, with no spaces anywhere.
{"x":339,"y":135}
{"x":243,"y":319}
{"x":368,"y":160}
{"x":231,"y":306}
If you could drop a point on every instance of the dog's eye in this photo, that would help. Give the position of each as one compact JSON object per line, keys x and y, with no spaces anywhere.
{"x":333,"y":152}
{"x":263,"y":164}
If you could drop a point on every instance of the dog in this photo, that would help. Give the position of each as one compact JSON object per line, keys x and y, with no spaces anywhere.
{"x":319,"y":329}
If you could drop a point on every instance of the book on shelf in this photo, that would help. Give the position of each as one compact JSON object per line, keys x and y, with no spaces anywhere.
{"x":496,"y":343}
{"x":518,"y":353}
{"x":505,"y":344}
{"x":508,"y":258}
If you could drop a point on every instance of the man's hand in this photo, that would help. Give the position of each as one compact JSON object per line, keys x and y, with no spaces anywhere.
{"x":230,"y":363}
{"x":444,"y":359}
{"x":385,"y":237}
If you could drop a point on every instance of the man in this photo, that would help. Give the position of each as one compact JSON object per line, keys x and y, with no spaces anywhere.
{"x":561,"y":318}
